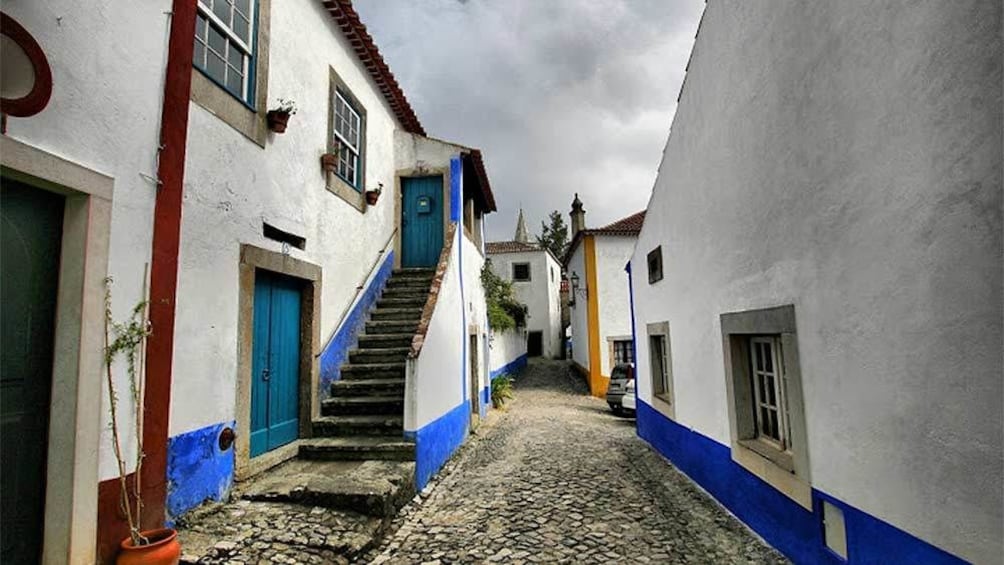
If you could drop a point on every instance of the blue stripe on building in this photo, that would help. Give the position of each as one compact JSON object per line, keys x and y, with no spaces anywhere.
{"x":197,"y":470}
{"x":786,"y":525}
{"x":436,"y":441}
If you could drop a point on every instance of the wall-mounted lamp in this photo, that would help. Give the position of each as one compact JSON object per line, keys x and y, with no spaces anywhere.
{"x":574,"y":279}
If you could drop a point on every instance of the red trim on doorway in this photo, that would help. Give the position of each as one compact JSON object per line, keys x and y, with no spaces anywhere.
{"x":163,"y":287}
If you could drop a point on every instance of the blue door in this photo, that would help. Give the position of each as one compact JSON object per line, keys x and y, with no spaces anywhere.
{"x":275,"y":366}
{"x":421,"y":221}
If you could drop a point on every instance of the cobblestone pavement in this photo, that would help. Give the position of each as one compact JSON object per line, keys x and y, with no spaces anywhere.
{"x":561,"y":480}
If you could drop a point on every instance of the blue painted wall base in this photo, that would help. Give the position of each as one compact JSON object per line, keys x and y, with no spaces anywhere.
{"x":197,"y":470}
{"x":438,"y":440}
{"x":793,"y":530}
{"x":336,"y":351}
{"x":513,"y":367}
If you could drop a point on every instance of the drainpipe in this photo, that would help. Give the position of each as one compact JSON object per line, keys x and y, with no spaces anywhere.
{"x":164,"y":263}
{"x":634,"y":334}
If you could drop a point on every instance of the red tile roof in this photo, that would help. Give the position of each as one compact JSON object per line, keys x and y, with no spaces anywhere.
{"x":493,"y":247}
{"x":630,"y":225}
{"x":348,"y":21}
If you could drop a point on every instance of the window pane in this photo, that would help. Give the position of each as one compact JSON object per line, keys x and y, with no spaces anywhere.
{"x":222,"y":10}
{"x":244,"y":6}
{"x":200,"y":27}
{"x":215,"y":66}
{"x":235,"y":58}
{"x":768,"y":358}
{"x":217,"y":41}
{"x":199,"y":58}
{"x":235,"y":81}
{"x":241,"y":28}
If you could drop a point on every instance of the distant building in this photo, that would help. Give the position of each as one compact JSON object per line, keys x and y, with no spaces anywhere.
{"x":536,"y":277}
{"x":817,"y":287}
{"x":600,"y":318}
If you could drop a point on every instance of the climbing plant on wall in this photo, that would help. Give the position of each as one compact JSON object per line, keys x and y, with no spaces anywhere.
{"x":504,"y":311}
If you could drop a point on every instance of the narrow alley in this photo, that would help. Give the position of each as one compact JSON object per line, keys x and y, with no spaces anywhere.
{"x":559,"y":479}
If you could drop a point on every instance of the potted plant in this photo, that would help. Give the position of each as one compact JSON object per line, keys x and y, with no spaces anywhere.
{"x":373,"y":195}
{"x":329,"y":162}
{"x":278,"y":118}
{"x":128,"y":339}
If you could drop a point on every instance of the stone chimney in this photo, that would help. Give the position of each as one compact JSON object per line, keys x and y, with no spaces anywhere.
{"x":578,"y":216}
{"x":522,"y":234}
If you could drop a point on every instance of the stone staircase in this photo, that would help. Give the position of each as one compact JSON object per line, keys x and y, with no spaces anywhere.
{"x":364,"y":417}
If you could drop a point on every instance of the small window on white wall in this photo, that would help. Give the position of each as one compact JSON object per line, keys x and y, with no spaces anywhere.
{"x":520,"y":272}
{"x":661,"y":363}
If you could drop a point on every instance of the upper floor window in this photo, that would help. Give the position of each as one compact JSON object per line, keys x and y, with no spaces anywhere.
{"x":347,"y":131}
{"x":520,"y":271}
{"x":224,"y":45}
{"x":655,"y":265}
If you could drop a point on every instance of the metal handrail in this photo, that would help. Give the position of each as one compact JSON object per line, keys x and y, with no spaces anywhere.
{"x":359,"y":289}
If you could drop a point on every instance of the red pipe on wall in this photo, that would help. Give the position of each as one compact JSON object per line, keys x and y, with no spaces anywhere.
{"x":163,"y":287}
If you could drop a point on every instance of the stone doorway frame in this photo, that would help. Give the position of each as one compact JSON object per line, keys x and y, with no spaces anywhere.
{"x":253,"y":258}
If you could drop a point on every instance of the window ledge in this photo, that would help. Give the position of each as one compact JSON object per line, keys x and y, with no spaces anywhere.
{"x":780,"y":458}
{"x":784,"y":480}
{"x":663,"y":403}
{"x":341,"y":189}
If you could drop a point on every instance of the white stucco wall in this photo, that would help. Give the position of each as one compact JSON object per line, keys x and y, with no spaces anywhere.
{"x":612,"y":255}
{"x":577,"y":313}
{"x":233,"y":185}
{"x":540,"y":293}
{"x":856,"y":175}
{"x":104,"y":114}
{"x":506,"y":347}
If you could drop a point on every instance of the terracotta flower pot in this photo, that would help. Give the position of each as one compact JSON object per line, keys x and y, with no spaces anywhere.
{"x":277,"y":120}
{"x":329,"y":162}
{"x":372,"y":196}
{"x":163,"y":549}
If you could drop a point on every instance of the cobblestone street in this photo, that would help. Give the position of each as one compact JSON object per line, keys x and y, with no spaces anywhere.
{"x":559,"y":479}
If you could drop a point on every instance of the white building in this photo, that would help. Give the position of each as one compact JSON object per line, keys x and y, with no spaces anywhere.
{"x":536,"y":278}
{"x":817,"y":287}
{"x":122,"y":159}
{"x":600,"y":317}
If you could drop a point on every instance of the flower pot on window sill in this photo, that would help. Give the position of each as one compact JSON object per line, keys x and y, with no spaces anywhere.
{"x":329,"y":162}
{"x":372,"y":196}
{"x":277,"y":120}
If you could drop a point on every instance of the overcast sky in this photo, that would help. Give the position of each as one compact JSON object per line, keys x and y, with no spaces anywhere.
{"x":562,"y":96}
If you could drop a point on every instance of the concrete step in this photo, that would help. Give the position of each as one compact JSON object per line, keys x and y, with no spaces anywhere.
{"x":367,"y":387}
{"x":373,"y":488}
{"x":391,"y":326}
{"x":360,"y":425}
{"x":409,"y":314}
{"x":354,"y":371}
{"x":379,"y":341}
{"x":350,"y":405}
{"x":409,"y":301}
{"x":379,"y":355}
{"x":409,"y":282}
{"x":404,"y":291}
{"x":413,"y":274}
{"x":357,"y":449}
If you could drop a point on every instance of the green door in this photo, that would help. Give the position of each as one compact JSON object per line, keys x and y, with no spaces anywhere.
{"x":275,"y":363}
{"x":31,"y":226}
{"x":421,"y":221}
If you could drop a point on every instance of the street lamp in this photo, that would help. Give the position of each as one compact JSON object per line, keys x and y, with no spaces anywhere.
{"x":574,"y":279}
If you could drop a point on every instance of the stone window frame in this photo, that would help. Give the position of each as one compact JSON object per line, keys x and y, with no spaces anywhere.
{"x":787,"y":471}
{"x":354,"y":196}
{"x":248,"y":119}
{"x":612,"y":342}
{"x":529,"y":272}
{"x":665,"y":399}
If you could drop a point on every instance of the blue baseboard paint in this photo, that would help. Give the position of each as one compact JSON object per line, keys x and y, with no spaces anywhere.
{"x":486,"y":399}
{"x":436,"y":441}
{"x":336,"y":351}
{"x":197,"y":470}
{"x":786,"y":525}
{"x":513,"y":367}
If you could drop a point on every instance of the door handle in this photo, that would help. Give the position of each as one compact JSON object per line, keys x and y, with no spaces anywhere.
{"x":265,"y":374}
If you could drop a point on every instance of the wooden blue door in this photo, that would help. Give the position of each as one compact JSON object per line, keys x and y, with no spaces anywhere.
{"x":421,"y":221}
{"x":275,"y":366}
{"x":31,"y":227}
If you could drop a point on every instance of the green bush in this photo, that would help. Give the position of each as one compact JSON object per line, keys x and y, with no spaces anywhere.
{"x":501,"y":390}
{"x":504,"y":311}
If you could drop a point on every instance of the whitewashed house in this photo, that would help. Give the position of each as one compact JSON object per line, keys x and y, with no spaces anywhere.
{"x":536,"y":277}
{"x":272,"y":280}
{"x":817,"y":286}
{"x":600,"y":320}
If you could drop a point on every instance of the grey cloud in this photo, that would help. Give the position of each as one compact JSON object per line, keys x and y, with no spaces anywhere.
{"x":562,"y":96}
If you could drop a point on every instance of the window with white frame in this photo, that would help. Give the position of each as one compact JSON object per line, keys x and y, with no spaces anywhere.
{"x":770,"y":407}
{"x":347,"y":129}
{"x":623,"y":352}
{"x":224,"y":44}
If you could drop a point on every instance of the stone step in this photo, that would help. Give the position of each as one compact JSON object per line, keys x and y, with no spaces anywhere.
{"x":379,"y":354}
{"x":357,"y":449}
{"x":372,"y":488}
{"x":367,"y":387}
{"x":378,"y":341}
{"x":391,"y":326}
{"x":354,"y":371}
{"x":405,"y":292}
{"x":409,"y":282}
{"x":413,"y":274}
{"x":349,"y":405}
{"x":365,"y":425}
{"x":416,"y":301}
{"x":409,"y":314}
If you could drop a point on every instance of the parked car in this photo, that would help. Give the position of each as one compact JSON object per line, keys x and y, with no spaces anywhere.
{"x":622,"y":374}
{"x":628,"y":404}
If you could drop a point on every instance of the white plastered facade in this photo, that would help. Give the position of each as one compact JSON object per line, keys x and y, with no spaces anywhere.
{"x":539,"y":294}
